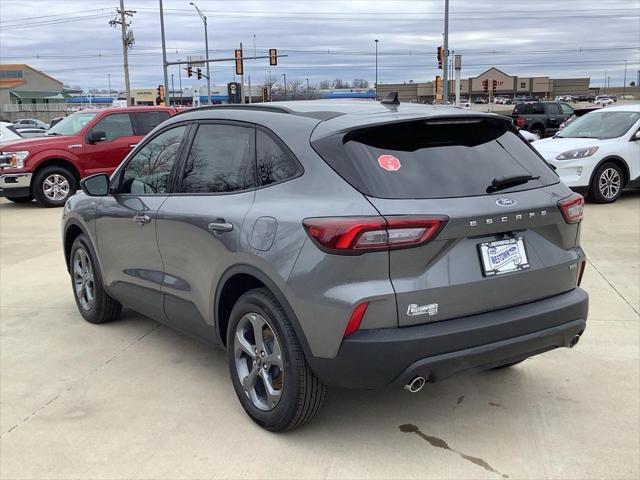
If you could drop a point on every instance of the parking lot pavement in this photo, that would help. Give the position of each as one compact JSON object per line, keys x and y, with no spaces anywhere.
{"x":133,"y":399}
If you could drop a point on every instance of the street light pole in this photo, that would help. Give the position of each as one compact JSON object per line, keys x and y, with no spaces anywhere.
{"x":624,"y":82}
{"x":172,"y":94}
{"x":206,"y":46}
{"x":376,"y":85}
{"x":164,"y":49}
{"x":445,"y":48}
{"x":109,"y":78}
{"x":307,"y":88}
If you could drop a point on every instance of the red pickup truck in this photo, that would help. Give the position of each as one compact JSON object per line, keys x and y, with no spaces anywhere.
{"x":49,"y":168}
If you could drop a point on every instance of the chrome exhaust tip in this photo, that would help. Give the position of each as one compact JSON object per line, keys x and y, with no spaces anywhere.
{"x":415,"y":385}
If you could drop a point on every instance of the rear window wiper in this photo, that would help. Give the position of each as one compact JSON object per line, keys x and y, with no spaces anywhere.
{"x":500,"y":183}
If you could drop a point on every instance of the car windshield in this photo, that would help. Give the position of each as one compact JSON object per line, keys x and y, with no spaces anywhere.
{"x":601,"y":125}
{"x":72,"y":124}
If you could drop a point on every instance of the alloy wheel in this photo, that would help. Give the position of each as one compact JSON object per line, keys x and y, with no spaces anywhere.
{"x":258,"y":361}
{"x":55,"y":187}
{"x":609,"y":183}
{"x":83,"y":279}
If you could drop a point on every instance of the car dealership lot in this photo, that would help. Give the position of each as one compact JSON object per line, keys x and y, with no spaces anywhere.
{"x":132,"y":399}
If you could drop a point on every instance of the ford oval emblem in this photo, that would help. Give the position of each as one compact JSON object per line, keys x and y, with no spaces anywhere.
{"x":505,"y":202}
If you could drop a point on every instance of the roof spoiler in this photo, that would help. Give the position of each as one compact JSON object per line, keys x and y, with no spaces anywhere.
{"x":391,"y":99}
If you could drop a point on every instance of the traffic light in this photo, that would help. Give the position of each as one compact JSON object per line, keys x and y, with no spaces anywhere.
{"x":495,"y":86}
{"x":160,"y":97}
{"x":485,"y":86}
{"x":199,"y":73}
{"x":189,"y":71}
{"x":440,"y":57}
{"x":239,"y":64}
{"x":265,"y":94}
{"x":273,"y":57}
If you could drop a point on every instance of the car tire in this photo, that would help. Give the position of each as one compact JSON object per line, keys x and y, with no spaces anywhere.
{"x":271,"y":376}
{"x":538,"y":130}
{"x":94,"y":303}
{"x":607,"y":183}
{"x":20,"y":199}
{"x":52,"y":186}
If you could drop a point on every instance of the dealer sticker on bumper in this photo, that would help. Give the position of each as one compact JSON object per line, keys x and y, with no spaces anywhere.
{"x":503,"y":256}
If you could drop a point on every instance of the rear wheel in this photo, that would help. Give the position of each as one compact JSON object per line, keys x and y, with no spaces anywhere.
{"x":20,"y":199}
{"x":270,"y":374}
{"x":52,"y":186}
{"x":538,"y":130}
{"x":607,"y":183}
{"x":94,"y":303}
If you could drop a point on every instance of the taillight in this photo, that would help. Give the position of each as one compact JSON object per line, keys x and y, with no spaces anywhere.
{"x":356,"y":235}
{"x":520,"y":122}
{"x":356,"y":319}
{"x":572,"y":207}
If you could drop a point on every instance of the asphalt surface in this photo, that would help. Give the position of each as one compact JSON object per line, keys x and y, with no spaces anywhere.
{"x":133,"y":399}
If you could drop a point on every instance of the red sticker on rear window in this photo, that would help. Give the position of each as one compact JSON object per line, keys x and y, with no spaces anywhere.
{"x":389,"y":163}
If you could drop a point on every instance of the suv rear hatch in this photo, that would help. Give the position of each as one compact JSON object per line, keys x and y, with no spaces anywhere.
{"x":501,"y":246}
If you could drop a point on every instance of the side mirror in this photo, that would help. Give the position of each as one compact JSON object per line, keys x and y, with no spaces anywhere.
{"x":96,"y":185}
{"x":96,"y":136}
{"x":636,"y":137}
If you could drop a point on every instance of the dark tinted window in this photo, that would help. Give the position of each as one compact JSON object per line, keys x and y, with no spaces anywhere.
{"x":149,"y":169}
{"x":115,"y":126}
{"x":553,"y":109}
{"x":274,"y":164}
{"x":433,"y":160}
{"x":566,"y":109}
{"x":537,"y":108}
{"x":147,"y":121}
{"x":221,"y":160}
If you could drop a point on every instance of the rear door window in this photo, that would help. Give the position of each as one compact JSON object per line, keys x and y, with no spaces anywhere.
{"x":146,"y":121}
{"x":537,"y":109}
{"x":221,"y":160}
{"x":433,"y":159}
{"x":115,"y":126}
{"x":553,"y":109}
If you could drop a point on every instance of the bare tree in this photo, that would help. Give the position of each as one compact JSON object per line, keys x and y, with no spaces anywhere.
{"x":360,"y":83}
{"x":339,"y":83}
{"x":324,"y":85}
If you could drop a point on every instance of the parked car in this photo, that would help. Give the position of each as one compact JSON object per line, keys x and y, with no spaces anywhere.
{"x":465,"y":103}
{"x":49,"y":168}
{"x":30,"y":123}
{"x":480,"y":100}
{"x":603,"y":100}
{"x":541,"y":118}
{"x":598,"y":153}
{"x":313,"y":241}
{"x":8,"y":132}
{"x":577,"y":112}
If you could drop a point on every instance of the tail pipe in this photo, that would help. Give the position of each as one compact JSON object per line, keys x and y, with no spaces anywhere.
{"x":574,"y":341}
{"x":415,"y":385}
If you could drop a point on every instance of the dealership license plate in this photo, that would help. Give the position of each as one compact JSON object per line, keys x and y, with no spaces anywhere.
{"x":503,"y":256}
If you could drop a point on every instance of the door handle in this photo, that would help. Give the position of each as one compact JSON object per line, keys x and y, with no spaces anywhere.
{"x":220,"y":226}
{"x":141,"y":219}
{"x":133,"y":145}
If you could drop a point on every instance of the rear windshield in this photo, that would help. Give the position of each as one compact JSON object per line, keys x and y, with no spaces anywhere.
{"x":433,"y":158}
{"x":529,"y":108}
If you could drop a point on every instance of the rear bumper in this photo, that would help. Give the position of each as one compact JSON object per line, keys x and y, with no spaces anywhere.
{"x":376,"y":358}
{"x":15,"y":185}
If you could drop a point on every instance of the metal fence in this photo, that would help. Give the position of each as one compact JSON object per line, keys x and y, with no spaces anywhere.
{"x":51,"y":107}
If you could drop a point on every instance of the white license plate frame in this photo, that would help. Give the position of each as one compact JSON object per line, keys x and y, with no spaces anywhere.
{"x":503,"y":256}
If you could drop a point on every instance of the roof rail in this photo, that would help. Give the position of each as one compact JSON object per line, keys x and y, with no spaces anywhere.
{"x":238,"y":106}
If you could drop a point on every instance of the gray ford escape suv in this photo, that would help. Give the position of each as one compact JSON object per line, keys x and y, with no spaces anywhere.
{"x":345,"y":244}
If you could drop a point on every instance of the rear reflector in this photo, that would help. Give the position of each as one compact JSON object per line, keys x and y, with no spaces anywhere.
{"x":355,"y":319}
{"x":581,"y":267}
{"x":571,"y":208}
{"x":356,"y":235}
{"x":520,"y":122}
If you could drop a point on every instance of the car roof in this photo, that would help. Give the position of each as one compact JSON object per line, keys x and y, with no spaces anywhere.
{"x":632,"y":107}
{"x":127,"y":109}
{"x":333,"y":116}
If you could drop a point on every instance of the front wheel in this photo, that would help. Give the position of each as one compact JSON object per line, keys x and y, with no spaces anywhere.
{"x":52,"y":186}
{"x":607,"y":183}
{"x":270,"y":374}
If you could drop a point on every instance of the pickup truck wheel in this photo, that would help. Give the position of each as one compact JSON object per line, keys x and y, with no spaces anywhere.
{"x":270,"y":374}
{"x":94,"y":303}
{"x":607,"y":183}
{"x":20,"y":199}
{"x":538,"y":131}
{"x":52,"y":186}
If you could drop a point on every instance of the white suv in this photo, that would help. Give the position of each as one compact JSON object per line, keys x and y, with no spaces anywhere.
{"x":598,"y":152}
{"x":602,"y":100}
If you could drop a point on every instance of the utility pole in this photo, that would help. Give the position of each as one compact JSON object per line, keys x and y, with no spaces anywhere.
{"x":180,"y":84}
{"x":242,"y":77}
{"x":250,"y":89}
{"x":285,"y":85}
{"x":376,"y":40}
{"x":127,"y":42}
{"x":164,"y":49}
{"x":109,"y":79}
{"x":457,"y":63}
{"x":624,"y":82}
{"x":206,"y":50}
{"x":172,"y":94}
{"x":445,"y":79}
{"x":307,"y":89}
{"x":604,"y":88}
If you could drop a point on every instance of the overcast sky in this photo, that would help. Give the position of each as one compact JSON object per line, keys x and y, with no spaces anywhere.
{"x":327,"y":39}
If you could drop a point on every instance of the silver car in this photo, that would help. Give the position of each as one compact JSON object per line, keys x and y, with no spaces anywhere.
{"x":346,"y":244}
